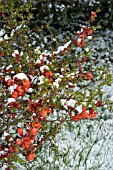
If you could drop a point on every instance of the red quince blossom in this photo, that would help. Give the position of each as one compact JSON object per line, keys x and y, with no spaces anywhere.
{"x":26,"y":83}
{"x":18,"y":141}
{"x":13,"y":149}
{"x":44,"y":112}
{"x":30,"y":156}
{"x":48,"y":74}
{"x":89,"y":76}
{"x":33,"y":131}
{"x":85,"y":114}
{"x":82,"y":36}
{"x":93,"y":14}
{"x":15,"y":94}
{"x":92,"y":113}
{"x":9,"y":82}
{"x":89,"y":32}
{"x":26,"y":143}
{"x":99,"y":103}
{"x":21,"y":89}
{"x":20,"y":131}
{"x":36,"y":124}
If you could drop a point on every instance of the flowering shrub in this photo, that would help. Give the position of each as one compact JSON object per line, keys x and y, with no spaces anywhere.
{"x":37,"y":85}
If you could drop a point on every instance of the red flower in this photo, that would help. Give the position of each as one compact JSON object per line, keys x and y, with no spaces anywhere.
{"x":26,"y":85}
{"x":18,"y":141}
{"x":20,"y":90}
{"x":82,"y":36}
{"x":30,"y":156}
{"x":84,"y":115}
{"x":89,"y":32}
{"x":75,"y":118}
{"x":93,"y":16}
{"x":13,"y":149}
{"x":36,"y":124}
{"x":9,"y":82}
{"x":44,"y":112}
{"x":15,"y":94}
{"x":89,"y":76}
{"x":20,"y":131}
{"x":76,"y":42}
{"x":99,"y":103}
{"x":33,"y":131}
{"x":93,"y":13}
{"x":26,"y":143}
{"x":92,"y":113}
{"x":84,"y":28}
{"x":48,"y":74}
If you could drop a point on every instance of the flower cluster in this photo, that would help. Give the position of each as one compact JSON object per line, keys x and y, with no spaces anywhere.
{"x":86,"y":31}
{"x":82,"y":35}
{"x":85,"y":114}
{"x":26,"y":141}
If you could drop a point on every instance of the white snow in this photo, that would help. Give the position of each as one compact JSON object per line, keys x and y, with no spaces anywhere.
{"x":79,"y":108}
{"x":111,"y":98}
{"x":20,"y":76}
{"x":44,"y":67}
{"x":11,"y":100}
{"x":15,"y":52}
{"x":56,"y":82}
{"x":42,"y":79}
{"x":7,"y":78}
{"x":12,"y":87}
{"x":71,"y":103}
{"x":89,"y":37}
{"x":2,"y":32}
{"x":62,"y":48}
